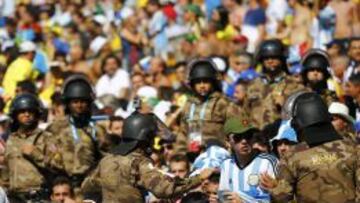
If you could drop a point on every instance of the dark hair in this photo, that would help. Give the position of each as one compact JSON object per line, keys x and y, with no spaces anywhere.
{"x":355,"y":79}
{"x":109,"y":57}
{"x":61,"y":180}
{"x":27,"y":86}
{"x":248,"y":55}
{"x":180,"y":158}
{"x":224,"y":17}
{"x":261,"y":138}
{"x":115,"y":118}
{"x":351,"y":40}
{"x":195,"y":197}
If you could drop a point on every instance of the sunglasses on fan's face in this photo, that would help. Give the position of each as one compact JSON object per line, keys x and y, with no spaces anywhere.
{"x":243,"y":136}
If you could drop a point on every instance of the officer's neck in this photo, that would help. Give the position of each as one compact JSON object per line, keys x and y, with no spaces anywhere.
{"x":80,"y":121}
{"x":243,"y":160}
{"x":27,"y":130}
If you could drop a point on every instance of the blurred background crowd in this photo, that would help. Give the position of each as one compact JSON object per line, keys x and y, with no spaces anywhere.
{"x":141,"y":48}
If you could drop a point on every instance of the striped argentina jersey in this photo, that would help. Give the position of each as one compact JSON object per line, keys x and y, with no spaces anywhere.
{"x":246,"y":181}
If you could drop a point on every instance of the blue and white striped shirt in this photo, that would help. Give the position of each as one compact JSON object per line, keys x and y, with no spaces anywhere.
{"x":246,"y":181}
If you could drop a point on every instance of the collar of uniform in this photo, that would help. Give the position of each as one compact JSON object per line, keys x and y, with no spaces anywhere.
{"x":196,"y":100}
{"x":253,"y":155}
{"x":267,"y":80}
{"x":33,"y":133}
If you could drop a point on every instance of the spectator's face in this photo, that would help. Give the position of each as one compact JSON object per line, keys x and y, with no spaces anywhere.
{"x":203,"y":87}
{"x":339,"y":123}
{"x":137,"y":82}
{"x":239,"y":63}
{"x":156,"y":66}
{"x":151,"y":8}
{"x":241,"y":144}
{"x":315,"y":75}
{"x":180,"y":73}
{"x":283,"y":146}
{"x":333,"y":51}
{"x":354,"y":51}
{"x":352,"y":90}
{"x":272,"y":63}
{"x":76,"y":53}
{"x":339,"y":67}
{"x":240,"y":93}
{"x":179,"y":169}
{"x":26,"y":116}
{"x":79,"y":106}
{"x":203,"y":49}
{"x":168,"y":151}
{"x":116,"y":127}
{"x":211,"y":188}
{"x":60,"y":193}
{"x":228,"y":4}
{"x":111,"y":66}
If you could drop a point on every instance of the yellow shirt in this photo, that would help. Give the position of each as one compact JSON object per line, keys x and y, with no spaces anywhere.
{"x":19,"y":70}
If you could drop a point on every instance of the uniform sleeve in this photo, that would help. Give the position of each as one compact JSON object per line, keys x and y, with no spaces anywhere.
{"x":92,"y":182}
{"x":284,"y":191}
{"x":357,"y":174}
{"x":162,"y":185}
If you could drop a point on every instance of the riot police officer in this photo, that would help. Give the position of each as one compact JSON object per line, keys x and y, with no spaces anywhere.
{"x":267,"y":94}
{"x":26,"y":151}
{"x":78,"y":136}
{"x":323,"y":167}
{"x":127,"y":174}
{"x":206,"y":110}
{"x":315,"y":73}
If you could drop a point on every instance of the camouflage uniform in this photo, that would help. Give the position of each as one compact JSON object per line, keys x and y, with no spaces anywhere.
{"x":322,"y":174}
{"x":76,"y":157}
{"x":125,"y":179}
{"x":328,"y":96}
{"x":28,"y":173}
{"x":262,"y":94}
{"x":207,"y":118}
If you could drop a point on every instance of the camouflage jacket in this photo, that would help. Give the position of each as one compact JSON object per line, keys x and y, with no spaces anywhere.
{"x":207,"y":117}
{"x":24,"y":170}
{"x":266,"y":99}
{"x":77,"y":152}
{"x":326,"y":173}
{"x":127,"y":178}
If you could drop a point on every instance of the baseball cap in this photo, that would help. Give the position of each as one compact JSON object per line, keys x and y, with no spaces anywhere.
{"x":27,"y":46}
{"x":337,"y":108}
{"x":237,"y":126}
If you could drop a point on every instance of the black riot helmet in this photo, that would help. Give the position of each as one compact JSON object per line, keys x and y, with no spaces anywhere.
{"x":77,"y":87}
{"x":137,"y":128}
{"x":315,"y":59}
{"x":311,"y":120}
{"x":25,"y":101}
{"x":309,"y":109}
{"x":272,"y":48}
{"x":204,"y":69}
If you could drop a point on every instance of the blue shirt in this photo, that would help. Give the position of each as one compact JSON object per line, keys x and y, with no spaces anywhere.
{"x":255,"y":17}
{"x":245,"y":181}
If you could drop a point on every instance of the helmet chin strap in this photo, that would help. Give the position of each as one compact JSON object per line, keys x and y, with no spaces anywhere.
{"x":273,"y":71}
{"x":81,"y":120}
{"x":26,"y":127}
{"x":318,"y":86}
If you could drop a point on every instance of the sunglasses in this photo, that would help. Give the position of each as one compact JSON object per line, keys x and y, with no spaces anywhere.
{"x":243,"y":136}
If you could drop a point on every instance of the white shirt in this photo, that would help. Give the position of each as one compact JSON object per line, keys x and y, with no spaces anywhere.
{"x":275,"y":12}
{"x":112,"y":85}
{"x":246,"y":181}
